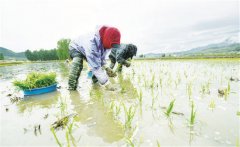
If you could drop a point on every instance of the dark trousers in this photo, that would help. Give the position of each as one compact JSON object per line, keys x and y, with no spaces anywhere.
{"x":76,"y":68}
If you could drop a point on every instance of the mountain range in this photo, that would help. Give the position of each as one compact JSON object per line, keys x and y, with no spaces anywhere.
{"x":9,"y":54}
{"x":226,"y":48}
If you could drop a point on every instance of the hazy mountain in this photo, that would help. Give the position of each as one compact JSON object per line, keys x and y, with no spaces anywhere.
{"x":228,"y":47}
{"x":9,"y":54}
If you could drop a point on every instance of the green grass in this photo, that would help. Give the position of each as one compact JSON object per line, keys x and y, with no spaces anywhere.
{"x":36,"y":80}
{"x":11,"y":63}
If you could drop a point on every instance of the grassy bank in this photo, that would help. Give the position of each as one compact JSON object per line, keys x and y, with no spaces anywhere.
{"x":10,"y":63}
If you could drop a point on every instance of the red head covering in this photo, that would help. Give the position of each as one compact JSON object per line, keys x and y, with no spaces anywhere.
{"x":109,"y":36}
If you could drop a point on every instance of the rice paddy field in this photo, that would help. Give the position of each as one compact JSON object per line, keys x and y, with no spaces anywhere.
{"x":157,"y":103}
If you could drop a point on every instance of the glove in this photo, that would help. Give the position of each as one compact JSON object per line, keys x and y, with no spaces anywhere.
{"x":127,"y":64}
{"x":110,"y":72}
{"x":108,"y":86}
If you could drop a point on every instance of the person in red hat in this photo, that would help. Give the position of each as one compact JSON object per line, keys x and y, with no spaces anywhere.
{"x":93,"y":48}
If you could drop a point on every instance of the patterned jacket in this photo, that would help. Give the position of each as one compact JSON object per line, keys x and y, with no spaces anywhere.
{"x":91,"y":47}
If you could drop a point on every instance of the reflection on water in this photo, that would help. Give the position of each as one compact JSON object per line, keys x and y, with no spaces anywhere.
{"x":94,"y":114}
{"x":101,"y":115}
{"x":47,"y":100}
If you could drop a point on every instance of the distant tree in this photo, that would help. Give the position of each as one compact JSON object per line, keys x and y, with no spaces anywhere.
{"x":61,"y":53}
{"x":237,"y":48}
{"x":42,"y":55}
{"x":141,"y":56}
{"x":62,"y":49}
{"x":1,"y":56}
{"x":163,"y":55}
{"x":28,"y":54}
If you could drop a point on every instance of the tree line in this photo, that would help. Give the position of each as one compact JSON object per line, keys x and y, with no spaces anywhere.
{"x":60,"y":53}
{"x":1,"y":56}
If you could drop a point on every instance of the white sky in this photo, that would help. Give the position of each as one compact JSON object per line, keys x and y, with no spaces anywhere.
{"x":153,"y":25}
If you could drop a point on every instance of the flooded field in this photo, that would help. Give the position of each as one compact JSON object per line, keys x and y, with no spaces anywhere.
{"x":158,"y":103}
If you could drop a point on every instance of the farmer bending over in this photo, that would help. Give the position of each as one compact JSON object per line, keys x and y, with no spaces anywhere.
{"x":93,"y":48}
{"x":122,"y":54}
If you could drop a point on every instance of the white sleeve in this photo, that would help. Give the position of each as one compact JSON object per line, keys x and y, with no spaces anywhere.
{"x":101,"y":75}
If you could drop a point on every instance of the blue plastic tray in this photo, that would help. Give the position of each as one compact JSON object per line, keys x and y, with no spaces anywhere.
{"x":40,"y":90}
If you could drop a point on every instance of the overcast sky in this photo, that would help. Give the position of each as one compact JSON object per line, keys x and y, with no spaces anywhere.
{"x":153,"y":25}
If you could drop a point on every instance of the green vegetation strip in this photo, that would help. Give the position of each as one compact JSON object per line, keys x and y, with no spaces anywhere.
{"x":10,"y":63}
{"x":36,"y":80}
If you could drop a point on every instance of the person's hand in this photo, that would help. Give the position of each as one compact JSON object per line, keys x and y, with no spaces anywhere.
{"x":110,"y":72}
{"x":128,"y":64}
{"x":110,"y":87}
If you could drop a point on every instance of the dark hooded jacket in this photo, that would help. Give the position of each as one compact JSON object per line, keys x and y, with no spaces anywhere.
{"x":123,"y":53}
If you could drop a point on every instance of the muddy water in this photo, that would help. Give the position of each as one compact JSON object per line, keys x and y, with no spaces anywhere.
{"x":27,"y":120}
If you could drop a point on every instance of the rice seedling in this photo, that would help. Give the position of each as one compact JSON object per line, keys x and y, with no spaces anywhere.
{"x":185,"y":74}
{"x":67,"y":137}
{"x":69,"y":131}
{"x":140,"y":96}
{"x":170,"y":125}
{"x":212,"y":104}
{"x":111,"y":106}
{"x":70,"y":127}
{"x":115,"y":109}
{"x":129,"y":142}
{"x":129,"y":115}
{"x":152,"y":81}
{"x":224,"y":91}
{"x":63,"y":106}
{"x":55,"y":136}
{"x":228,"y":88}
{"x":169,"y":81}
{"x":153,"y":99}
{"x":63,"y":122}
{"x":178,"y":77}
{"x":67,"y":124}
{"x":193,"y":114}
{"x":170,"y":108}
{"x":176,"y":83}
{"x":238,"y":113}
{"x":205,"y":88}
{"x":133,"y":72}
{"x":160,"y":82}
{"x":158,"y":144}
{"x":189,"y":90}
{"x":123,"y":90}
{"x":139,"y":78}
{"x":145,"y":81}
{"x":36,"y":80}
